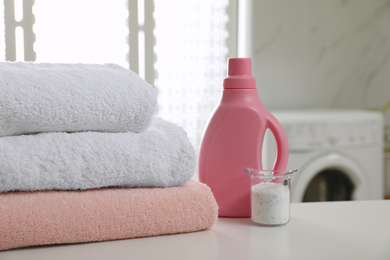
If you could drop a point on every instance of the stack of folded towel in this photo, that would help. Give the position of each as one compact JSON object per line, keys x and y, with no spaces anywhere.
{"x":83,"y":158}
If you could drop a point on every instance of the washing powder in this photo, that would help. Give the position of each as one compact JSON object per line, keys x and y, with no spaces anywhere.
{"x":270,"y":203}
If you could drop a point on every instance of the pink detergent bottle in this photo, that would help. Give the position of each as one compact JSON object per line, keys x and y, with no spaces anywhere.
{"x":234,"y":138}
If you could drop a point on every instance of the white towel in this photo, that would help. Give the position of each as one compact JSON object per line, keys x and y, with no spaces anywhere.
{"x":161,"y":156}
{"x":47,"y":97}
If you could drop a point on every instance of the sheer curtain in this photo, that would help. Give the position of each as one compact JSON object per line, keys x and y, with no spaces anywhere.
{"x":191,"y":48}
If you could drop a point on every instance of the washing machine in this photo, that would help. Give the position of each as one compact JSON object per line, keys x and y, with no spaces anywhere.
{"x":338,"y":154}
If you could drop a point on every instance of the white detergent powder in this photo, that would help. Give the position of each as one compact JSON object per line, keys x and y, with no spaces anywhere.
{"x":270,"y":203}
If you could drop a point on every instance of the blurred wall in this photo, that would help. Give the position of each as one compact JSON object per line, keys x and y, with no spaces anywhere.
{"x":321,"y":54}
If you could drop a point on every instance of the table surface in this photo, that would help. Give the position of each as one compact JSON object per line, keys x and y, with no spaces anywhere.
{"x":327,"y":230}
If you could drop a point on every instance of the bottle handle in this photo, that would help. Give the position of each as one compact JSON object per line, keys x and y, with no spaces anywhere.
{"x":282,"y":152}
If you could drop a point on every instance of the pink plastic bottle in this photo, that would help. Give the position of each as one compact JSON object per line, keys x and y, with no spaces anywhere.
{"x":234,"y":138}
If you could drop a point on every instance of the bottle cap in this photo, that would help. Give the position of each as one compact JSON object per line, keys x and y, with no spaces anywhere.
{"x":239,"y":74}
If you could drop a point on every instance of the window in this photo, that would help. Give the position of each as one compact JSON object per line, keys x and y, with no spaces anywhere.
{"x":2,"y":39}
{"x":72,"y":31}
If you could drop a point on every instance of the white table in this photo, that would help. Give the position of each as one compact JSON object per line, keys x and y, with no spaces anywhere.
{"x":328,"y":230}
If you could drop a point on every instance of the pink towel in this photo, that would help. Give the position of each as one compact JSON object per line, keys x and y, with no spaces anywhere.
{"x":58,"y":217}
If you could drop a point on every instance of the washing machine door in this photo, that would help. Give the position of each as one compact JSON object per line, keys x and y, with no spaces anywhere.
{"x":330,"y":176}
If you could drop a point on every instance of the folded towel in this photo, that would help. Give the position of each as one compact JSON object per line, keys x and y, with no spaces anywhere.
{"x":161,"y":156}
{"x":72,"y":97}
{"x":57,"y":217}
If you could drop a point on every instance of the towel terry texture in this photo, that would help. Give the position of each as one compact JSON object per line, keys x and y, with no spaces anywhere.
{"x":43,"y":97}
{"x":57,"y":217}
{"x":161,"y":156}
